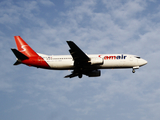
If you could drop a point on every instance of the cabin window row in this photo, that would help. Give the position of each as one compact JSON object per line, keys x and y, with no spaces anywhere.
{"x":49,"y":58}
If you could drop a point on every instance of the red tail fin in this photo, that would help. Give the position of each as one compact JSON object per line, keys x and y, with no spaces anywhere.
{"x":24,"y":48}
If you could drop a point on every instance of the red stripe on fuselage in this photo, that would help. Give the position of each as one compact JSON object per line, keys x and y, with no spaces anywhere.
{"x":36,"y":62}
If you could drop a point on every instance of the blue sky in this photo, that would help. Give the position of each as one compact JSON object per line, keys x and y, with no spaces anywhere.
{"x":105,"y":26}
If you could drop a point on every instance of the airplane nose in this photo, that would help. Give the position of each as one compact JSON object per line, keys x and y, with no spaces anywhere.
{"x":143,"y":62}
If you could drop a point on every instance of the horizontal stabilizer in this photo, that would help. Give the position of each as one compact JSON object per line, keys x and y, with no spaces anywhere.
{"x":17,"y":62}
{"x":19,"y":55}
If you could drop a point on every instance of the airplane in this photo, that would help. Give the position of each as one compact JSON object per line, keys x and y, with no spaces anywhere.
{"x":78,"y":61}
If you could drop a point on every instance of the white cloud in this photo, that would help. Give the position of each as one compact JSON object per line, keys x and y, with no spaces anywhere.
{"x":47,"y":2}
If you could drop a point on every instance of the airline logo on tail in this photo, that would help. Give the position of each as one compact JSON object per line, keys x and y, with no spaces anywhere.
{"x":26,"y":55}
{"x":23,"y":47}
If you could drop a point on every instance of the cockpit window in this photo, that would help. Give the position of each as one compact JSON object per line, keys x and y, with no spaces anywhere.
{"x":138,"y":57}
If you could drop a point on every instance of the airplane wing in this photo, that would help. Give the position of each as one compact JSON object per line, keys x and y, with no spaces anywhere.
{"x":81,"y":60}
{"x":79,"y":57}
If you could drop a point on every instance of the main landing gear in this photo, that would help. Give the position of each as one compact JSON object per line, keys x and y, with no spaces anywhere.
{"x":80,"y":75}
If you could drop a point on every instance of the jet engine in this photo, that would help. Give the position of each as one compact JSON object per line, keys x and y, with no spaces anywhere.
{"x":95,"y":73}
{"x":96,"y":61}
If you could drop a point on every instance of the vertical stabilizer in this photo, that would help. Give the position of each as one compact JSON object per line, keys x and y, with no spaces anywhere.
{"x":26,"y":55}
{"x":24,"y":48}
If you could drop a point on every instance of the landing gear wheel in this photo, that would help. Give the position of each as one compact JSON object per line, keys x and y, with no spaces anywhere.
{"x":80,"y":75}
{"x":133,"y":71}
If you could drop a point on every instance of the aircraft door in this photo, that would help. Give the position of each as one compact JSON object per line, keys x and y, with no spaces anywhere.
{"x":131,"y":59}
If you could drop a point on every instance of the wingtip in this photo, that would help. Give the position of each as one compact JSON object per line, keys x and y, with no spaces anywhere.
{"x":69,"y":41}
{"x":67,"y":76}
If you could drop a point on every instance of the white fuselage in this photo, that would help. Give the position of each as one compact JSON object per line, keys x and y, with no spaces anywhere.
{"x":78,"y":61}
{"x":64,"y":62}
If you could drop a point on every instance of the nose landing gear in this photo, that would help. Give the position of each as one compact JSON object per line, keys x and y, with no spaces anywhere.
{"x":136,"y":67}
{"x":133,"y":71}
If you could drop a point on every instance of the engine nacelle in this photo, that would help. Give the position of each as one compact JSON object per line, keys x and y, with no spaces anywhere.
{"x":96,"y":61}
{"x":95,"y":73}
